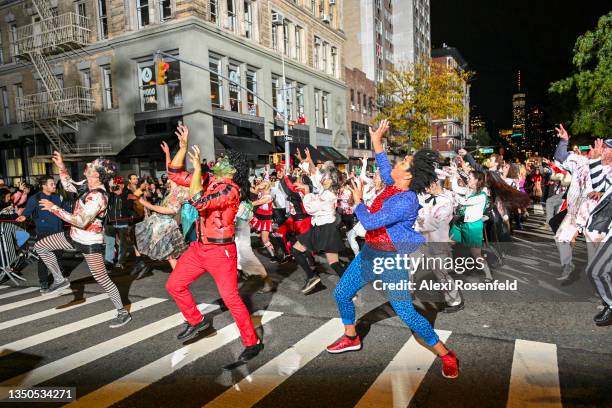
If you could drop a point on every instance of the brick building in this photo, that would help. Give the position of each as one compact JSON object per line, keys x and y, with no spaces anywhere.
{"x":80,"y":75}
{"x":360,"y":112}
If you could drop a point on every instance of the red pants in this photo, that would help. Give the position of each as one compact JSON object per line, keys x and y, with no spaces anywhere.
{"x":297,"y":227}
{"x":220,"y":261}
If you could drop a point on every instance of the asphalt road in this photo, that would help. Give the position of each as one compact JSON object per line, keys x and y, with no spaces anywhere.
{"x":536,"y":346}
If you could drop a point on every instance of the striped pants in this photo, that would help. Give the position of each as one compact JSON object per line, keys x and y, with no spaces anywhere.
{"x":95,"y":261}
{"x":599,"y":270}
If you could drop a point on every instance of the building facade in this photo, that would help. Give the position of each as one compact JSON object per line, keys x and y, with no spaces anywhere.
{"x":120,"y":110}
{"x":449,"y":134}
{"x":360,"y":113}
{"x":411,"y":31}
{"x":370,"y":34}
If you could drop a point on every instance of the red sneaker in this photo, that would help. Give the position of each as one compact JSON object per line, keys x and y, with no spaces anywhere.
{"x":344,"y":344}
{"x":450,"y":365}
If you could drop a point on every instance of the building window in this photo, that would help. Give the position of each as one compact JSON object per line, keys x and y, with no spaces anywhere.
{"x":274,"y":36}
{"x":317,"y":108}
{"x":173,"y":87}
{"x":251,"y":85}
{"x":6,"y":113}
{"x":13,"y":42}
{"x":214,"y":12}
{"x":107,"y":82}
{"x":248,"y":19}
{"x":81,"y":9}
{"x":234,"y":89}
{"x":352,"y":99}
{"x":298,"y":42}
{"x":358,"y":101}
{"x":360,"y":136}
{"x":276,"y":96}
{"x":300,"y":94}
{"x":325,"y":109}
{"x":18,"y":99}
{"x":231,"y":15}
{"x":216,"y":86}
{"x":324,"y":57}
{"x":313,"y":7}
{"x":102,"y":20}
{"x":142,"y":11}
{"x":289,"y":100}
{"x":370,"y":106}
{"x":165,"y":10}
{"x":286,"y":36}
{"x":334,"y":60}
{"x":1,"y":50}
{"x":86,"y":83}
{"x":317,"y":53}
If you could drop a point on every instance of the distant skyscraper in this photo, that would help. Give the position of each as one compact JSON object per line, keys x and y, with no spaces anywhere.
{"x":476,"y":121}
{"x":518,"y":111}
{"x":536,"y":138}
{"x":411,"y":30}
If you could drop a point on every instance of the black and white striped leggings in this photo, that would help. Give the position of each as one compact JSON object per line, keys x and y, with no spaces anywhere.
{"x":95,"y":261}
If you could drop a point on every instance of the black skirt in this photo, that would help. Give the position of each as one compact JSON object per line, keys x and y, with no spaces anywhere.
{"x":325,"y":238}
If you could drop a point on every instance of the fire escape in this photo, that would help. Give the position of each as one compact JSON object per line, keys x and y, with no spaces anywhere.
{"x":56,"y":109}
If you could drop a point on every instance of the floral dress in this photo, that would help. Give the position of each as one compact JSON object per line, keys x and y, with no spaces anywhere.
{"x":159,"y":236}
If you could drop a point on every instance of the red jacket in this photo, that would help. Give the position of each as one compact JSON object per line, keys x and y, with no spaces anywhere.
{"x":217,"y":205}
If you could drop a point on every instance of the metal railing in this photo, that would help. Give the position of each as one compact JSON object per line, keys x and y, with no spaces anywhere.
{"x":73,"y":102}
{"x":51,"y":35}
{"x":93,"y":148}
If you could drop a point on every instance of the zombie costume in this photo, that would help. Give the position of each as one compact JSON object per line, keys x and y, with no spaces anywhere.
{"x":214,"y":251}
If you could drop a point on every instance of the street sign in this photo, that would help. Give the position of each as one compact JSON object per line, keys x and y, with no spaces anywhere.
{"x":584,"y":147}
{"x":279,"y":133}
{"x":486,"y":150}
{"x":288,"y":138}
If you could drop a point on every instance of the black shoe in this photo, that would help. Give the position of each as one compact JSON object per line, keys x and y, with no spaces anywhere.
{"x":604,"y":318}
{"x":454,"y":309}
{"x":250,"y":352}
{"x":138,"y":267}
{"x":143,"y":272}
{"x":310,"y":284}
{"x":189,"y":331}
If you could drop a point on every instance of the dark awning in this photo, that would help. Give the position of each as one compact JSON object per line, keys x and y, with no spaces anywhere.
{"x":248,"y":145}
{"x":316,"y":156}
{"x":148,"y":146}
{"x":332,"y":154}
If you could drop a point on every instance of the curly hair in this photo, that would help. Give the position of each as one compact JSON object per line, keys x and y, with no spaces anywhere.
{"x":106,"y":169}
{"x":423,"y":169}
{"x":333,"y":173}
{"x":239,"y":161}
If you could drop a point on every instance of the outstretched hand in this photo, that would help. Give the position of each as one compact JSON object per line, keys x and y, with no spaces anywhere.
{"x":562,"y":133}
{"x":182,"y":133}
{"x":58,"y":159}
{"x":166,"y":149}
{"x":377,"y":135}
{"x":357,"y":190}
{"x":45,"y":204}
{"x":597,"y":149}
{"x":194,"y":157}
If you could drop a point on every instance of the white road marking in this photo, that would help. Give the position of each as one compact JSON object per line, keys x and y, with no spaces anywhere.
{"x":264,"y":380}
{"x":534,"y":380}
{"x":400,"y":380}
{"x":166,"y":365}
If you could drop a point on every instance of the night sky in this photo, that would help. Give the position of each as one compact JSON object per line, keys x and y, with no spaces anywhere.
{"x":497,"y":38}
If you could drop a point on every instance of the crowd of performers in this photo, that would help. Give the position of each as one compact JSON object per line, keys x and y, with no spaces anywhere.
{"x":416,"y":204}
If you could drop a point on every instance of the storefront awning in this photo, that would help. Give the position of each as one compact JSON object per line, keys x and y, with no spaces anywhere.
{"x":247,"y":145}
{"x":332,"y":154}
{"x":316,"y":156}
{"x":147,"y":146}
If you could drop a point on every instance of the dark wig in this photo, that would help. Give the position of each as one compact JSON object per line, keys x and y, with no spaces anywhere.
{"x":423,"y":169}
{"x":511,"y":197}
{"x":239,"y":161}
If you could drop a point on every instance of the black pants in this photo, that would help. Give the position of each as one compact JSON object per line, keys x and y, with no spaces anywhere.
{"x":43,"y":272}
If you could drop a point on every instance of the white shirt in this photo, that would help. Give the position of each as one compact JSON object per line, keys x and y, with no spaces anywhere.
{"x":434,"y":219}
{"x":322,"y":207}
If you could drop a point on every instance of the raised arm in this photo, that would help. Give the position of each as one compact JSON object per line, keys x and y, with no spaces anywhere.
{"x":561,"y":153}
{"x":65,"y":179}
{"x":384,"y":166}
{"x":95,"y":202}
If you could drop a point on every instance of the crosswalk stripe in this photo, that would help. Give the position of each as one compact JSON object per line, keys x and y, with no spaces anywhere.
{"x":50,"y":312}
{"x":4,"y":287}
{"x":18,"y":292}
{"x":57,"y":332}
{"x":534,"y":380}
{"x":265,"y":379}
{"x":542,"y":235}
{"x":400,"y":380}
{"x":21,"y":303}
{"x":155,"y":371}
{"x":93,"y":353}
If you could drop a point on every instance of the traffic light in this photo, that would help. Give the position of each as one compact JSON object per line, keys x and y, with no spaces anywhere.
{"x":162,"y":72}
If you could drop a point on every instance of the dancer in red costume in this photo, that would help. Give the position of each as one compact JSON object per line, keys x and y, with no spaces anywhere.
{"x":217,"y":199}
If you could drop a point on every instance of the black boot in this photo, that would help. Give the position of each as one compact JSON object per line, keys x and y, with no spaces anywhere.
{"x":604,"y":318}
{"x":188,"y":331}
{"x":250,"y":352}
{"x":338,"y":267}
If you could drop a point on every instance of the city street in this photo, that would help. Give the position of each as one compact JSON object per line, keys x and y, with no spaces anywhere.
{"x":537,"y":346}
